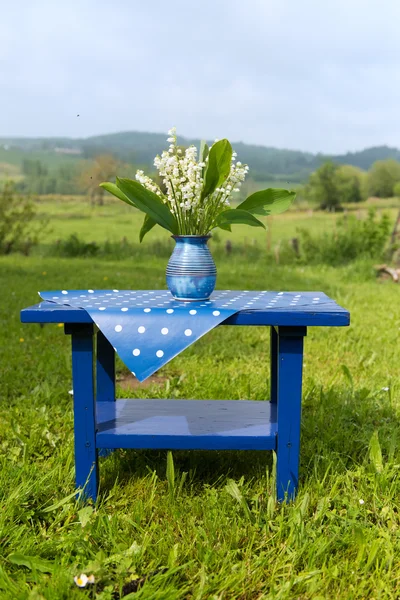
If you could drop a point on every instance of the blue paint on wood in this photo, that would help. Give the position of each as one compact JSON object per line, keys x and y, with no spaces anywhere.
{"x":105,"y":375}
{"x":326,"y":314}
{"x":149,"y":328}
{"x":179,"y":424}
{"x":105,"y":370}
{"x":273,"y":365}
{"x":289,"y":385}
{"x":48,"y":312}
{"x":86,"y":467}
{"x":187,"y":424}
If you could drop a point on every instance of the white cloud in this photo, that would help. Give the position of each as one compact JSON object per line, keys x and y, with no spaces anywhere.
{"x":309,"y":75}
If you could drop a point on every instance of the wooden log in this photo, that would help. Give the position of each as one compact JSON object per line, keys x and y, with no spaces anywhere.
{"x":394,"y":273}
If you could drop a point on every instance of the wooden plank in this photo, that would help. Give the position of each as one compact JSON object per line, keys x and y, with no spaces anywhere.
{"x":49,"y":312}
{"x":86,"y":465}
{"x":273,"y":377}
{"x":105,"y":375}
{"x":187,"y":424}
{"x":290,"y":363}
{"x":325,"y":314}
{"x":297,"y":316}
{"x":105,"y":370}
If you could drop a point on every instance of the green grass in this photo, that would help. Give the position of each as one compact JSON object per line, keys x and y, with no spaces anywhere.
{"x":15,"y":156}
{"x":9,"y":171}
{"x":206,"y":524}
{"x":115,"y":220}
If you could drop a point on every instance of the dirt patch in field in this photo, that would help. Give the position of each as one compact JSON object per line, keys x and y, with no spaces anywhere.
{"x":128,"y":381}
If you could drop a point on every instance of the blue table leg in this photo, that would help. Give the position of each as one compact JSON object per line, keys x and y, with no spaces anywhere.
{"x":273,"y":365}
{"x":105,"y":376}
{"x":290,"y":366}
{"x":105,"y":370}
{"x":86,"y":464}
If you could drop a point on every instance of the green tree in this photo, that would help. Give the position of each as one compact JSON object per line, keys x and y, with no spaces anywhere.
{"x":19,"y":226}
{"x":39,"y":180}
{"x":396,"y":189}
{"x":102,"y":168}
{"x":383,"y":176}
{"x":350,"y":183}
{"x":33,"y":168}
{"x":323,"y":186}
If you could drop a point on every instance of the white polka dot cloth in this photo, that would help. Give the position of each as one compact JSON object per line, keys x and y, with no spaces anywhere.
{"x":148,"y":328}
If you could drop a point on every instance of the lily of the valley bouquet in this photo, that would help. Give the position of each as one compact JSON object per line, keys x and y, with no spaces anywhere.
{"x":195,"y":198}
{"x":198,"y":189}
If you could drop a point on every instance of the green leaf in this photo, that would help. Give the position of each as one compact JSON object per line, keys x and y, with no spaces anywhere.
{"x":84,"y":515}
{"x":204,"y":150}
{"x":218,"y":167}
{"x":235,"y":216}
{"x":375,"y":453}
{"x":170,"y":474}
{"x":148,"y":224}
{"x":203,"y":153}
{"x":149,"y":203}
{"x":233,"y":490}
{"x":225,"y":227}
{"x":115,"y":191}
{"x":59,"y":504}
{"x":33,"y":563}
{"x":268,"y":202}
{"x":347,"y":374}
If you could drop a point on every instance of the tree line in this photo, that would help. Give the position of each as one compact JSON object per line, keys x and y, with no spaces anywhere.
{"x":70,"y":178}
{"x":135,"y":147}
{"x":332,"y":185}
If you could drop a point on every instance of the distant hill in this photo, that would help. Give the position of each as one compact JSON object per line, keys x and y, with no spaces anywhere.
{"x":365,"y":158}
{"x":139,"y":148}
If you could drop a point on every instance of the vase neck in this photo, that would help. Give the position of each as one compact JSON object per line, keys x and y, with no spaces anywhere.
{"x":193,"y":240}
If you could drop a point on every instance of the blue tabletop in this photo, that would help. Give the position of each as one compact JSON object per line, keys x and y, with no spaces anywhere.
{"x":147,"y":328}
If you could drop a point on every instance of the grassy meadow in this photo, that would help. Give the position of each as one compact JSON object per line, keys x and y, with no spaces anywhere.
{"x":115,"y":220}
{"x":204,"y":525}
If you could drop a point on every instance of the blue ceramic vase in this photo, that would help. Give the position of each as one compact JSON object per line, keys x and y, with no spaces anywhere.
{"x":191,"y":271}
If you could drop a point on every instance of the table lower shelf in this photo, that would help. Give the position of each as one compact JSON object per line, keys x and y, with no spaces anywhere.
{"x":187,"y":424}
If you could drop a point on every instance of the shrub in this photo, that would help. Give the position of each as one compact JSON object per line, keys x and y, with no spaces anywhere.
{"x":73,"y":246}
{"x":351,"y":183}
{"x":383,"y":176}
{"x":396,"y":189}
{"x":19,"y":227}
{"x":323,"y":188}
{"x":331,"y":185}
{"x":352,"y":238}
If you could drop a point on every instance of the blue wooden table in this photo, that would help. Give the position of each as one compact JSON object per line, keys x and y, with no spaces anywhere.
{"x":102,"y":422}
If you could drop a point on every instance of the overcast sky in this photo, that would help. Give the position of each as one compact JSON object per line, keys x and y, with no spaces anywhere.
{"x":304,"y":74}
